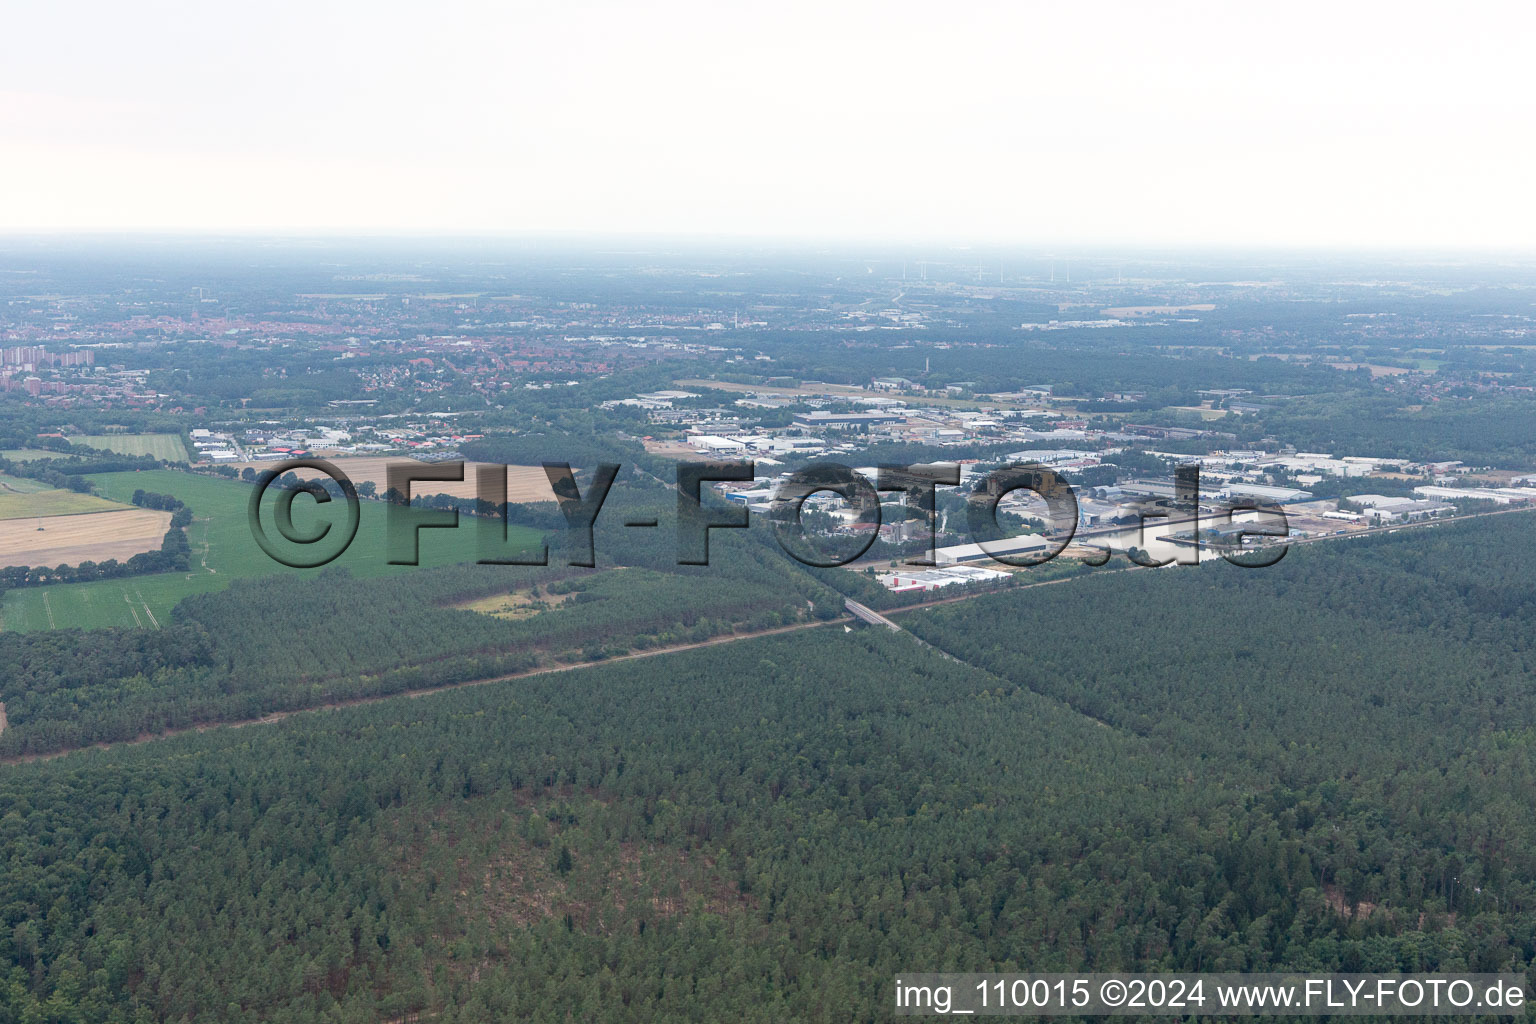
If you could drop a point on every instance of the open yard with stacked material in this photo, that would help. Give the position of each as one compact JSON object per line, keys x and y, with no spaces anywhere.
{"x":162,"y":446}
{"x":524,"y":483}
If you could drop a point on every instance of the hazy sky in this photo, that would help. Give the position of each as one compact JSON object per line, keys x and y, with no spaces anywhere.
{"x":1363,"y":125}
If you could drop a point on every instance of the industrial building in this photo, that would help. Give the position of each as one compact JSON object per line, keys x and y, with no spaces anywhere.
{"x":933,"y":579}
{"x":1264,"y":492}
{"x":1023,"y":544}
{"x":822,"y":420}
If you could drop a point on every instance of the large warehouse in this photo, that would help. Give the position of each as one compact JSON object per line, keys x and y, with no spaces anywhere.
{"x":1023,"y":544}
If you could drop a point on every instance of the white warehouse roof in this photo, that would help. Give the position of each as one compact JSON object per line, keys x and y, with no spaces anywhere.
{"x":975,"y":552}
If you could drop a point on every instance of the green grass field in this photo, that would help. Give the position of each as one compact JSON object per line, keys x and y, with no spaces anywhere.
{"x":51,"y":502}
{"x":21,"y":485}
{"x":28,"y":454}
{"x":222,"y":550}
{"x":161,"y":446}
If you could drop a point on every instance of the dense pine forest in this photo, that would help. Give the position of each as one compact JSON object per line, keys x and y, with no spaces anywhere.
{"x":1326,"y":764}
{"x":284,"y":643}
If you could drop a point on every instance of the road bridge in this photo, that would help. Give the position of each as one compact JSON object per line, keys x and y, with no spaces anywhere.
{"x":869,"y":615}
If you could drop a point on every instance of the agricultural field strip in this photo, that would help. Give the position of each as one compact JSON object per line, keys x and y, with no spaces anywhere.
{"x":168,"y":447}
{"x":524,"y":483}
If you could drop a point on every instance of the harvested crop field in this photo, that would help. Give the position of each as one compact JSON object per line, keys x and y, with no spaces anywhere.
{"x":524,"y":483}
{"x":90,"y":537}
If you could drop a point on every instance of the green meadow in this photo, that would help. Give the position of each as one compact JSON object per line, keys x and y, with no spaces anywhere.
{"x":222,"y":550}
{"x":22,"y":485}
{"x":162,"y":446}
{"x":43,"y":502}
{"x":28,"y":454}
